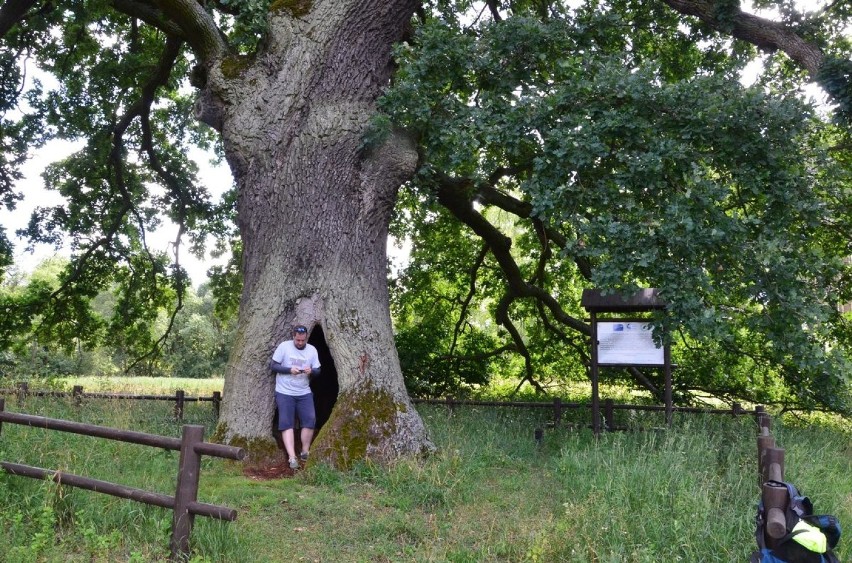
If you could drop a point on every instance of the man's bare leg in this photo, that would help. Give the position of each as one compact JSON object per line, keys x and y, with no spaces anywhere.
{"x":307,"y":436}
{"x":288,"y":438}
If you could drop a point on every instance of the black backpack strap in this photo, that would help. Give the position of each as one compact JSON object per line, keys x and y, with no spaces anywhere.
{"x":760,"y":526}
{"x":789,"y":536}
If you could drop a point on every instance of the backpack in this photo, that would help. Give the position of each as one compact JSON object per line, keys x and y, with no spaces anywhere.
{"x":801,"y":519}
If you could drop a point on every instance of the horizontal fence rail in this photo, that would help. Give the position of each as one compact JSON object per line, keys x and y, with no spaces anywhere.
{"x":180,"y":398}
{"x":557,"y":405}
{"x":184,"y":503}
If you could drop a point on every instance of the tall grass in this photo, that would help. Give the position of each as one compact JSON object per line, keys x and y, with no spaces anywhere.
{"x":490,"y":492}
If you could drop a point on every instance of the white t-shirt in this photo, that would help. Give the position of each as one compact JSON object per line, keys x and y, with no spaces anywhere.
{"x":289,"y":356}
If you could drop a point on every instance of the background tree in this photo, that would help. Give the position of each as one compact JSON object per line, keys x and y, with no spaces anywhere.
{"x":201,"y":339}
{"x":198,"y":347}
{"x":30,"y":353}
{"x":291,"y":88}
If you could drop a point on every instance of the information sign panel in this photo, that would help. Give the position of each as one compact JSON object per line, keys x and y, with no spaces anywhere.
{"x":628,"y":343}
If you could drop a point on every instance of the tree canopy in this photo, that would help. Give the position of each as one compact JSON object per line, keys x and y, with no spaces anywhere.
{"x":615,"y":146}
{"x":561,"y":145}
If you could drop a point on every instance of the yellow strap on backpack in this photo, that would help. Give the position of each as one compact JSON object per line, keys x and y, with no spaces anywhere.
{"x":809,"y":537}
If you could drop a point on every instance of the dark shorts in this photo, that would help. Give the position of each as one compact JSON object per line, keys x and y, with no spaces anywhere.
{"x":289,"y":406}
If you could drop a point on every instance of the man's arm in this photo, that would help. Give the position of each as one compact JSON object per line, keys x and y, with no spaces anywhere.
{"x":277,"y":367}
{"x":281,"y":368}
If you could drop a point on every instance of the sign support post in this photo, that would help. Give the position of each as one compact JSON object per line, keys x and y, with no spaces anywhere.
{"x":596,"y":403}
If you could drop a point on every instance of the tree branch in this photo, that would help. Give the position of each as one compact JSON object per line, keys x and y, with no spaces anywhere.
{"x":581,"y":348}
{"x":149,"y":14}
{"x":480,"y":259}
{"x":490,"y":195}
{"x":640,"y":378}
{"x":196,"y":25}
{"x":504,"y":319}
{"x":455,"y":195}
{"x":141,"y":109}
{"x":494,"y":8}
{"x":764,"y":33}
{"x":12,"y":12}
{"x":138,"y":109}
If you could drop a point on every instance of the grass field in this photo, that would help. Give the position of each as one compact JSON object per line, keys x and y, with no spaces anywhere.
{"x":143,"y":385}
{"x":490,"y":493}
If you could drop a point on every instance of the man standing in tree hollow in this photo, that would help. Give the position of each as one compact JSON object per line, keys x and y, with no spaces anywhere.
{"x":294,"y":362}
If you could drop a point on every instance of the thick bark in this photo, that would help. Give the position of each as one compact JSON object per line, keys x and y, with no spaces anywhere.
{"x":313,"y":210}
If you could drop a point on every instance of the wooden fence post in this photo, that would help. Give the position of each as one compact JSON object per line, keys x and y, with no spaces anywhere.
{"x":179,"y":397}
{"x":77,"y":393}
{"x":23,"y":391}
{"x":609,"y":415}
{"x":183,"y":504}
{"x":189,"y":469}
{"x":764,"y":442}
{"x":773,"y":465}
{"x":217,"y":403}
{"x":763,"y":418}
{"x":449,"y":401}
{"x":557,"y":411}
{"x":774,"y":502}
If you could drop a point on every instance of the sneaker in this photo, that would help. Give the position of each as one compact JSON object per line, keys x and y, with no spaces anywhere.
{"x":294,"y":463}
{"x":303,"y":456}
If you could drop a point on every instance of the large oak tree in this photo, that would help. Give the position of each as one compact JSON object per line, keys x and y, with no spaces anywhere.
{"x":291,"y":88}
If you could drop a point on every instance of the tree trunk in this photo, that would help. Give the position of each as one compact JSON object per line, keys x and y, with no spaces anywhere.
{"x":314,"y":207}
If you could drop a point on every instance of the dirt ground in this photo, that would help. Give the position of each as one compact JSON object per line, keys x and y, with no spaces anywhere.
{"x":270,"y":468}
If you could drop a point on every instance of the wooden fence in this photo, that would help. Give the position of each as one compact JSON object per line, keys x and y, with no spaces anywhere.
{"x":22,"y":391}
{"x":770,"y":458}
{"x":557,"y":405}
{"x":770,"y":463}
{"x":184,"y":503}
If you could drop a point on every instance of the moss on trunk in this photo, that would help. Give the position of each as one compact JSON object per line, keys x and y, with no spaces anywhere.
{"x":257,"y":449}
{"x":363,"y":425}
